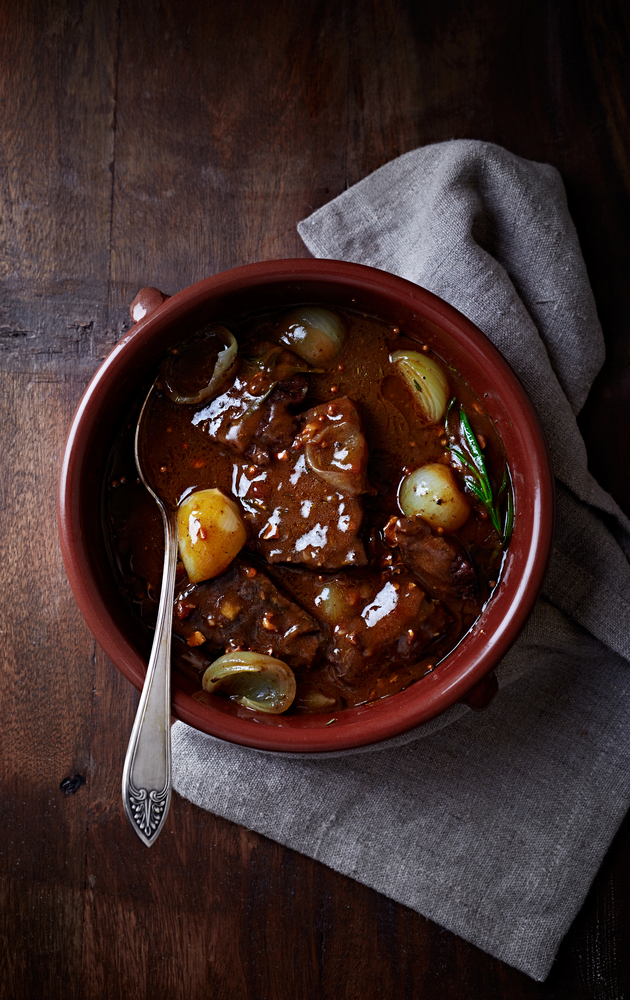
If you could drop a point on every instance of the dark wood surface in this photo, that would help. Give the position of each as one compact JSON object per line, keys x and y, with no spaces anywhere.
{"x":157,"y":144}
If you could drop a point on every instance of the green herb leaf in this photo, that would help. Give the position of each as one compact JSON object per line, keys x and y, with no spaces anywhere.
{"x":459,"y":455}
{"x":478,"y":481}
{"x":476,"y":455}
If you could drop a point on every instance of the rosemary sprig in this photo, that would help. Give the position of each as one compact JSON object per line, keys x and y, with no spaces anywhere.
{"x":477,"y":479}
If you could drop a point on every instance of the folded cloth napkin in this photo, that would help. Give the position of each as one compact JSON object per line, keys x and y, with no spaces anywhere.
{"x":493,"y":826}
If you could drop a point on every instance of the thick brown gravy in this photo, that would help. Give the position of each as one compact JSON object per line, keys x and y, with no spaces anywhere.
{"x":359,"y":600}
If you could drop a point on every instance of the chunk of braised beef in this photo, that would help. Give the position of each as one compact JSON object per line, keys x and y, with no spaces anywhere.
{"x":244,"y":609}
{"x":254,"y":416}
{"x":277,"y":425}
{"x":302,"y":504}
{"x":372,"y":621}
{"x":296,"y":518}
{"x":437,"y":561}
{"x":384,"y":634}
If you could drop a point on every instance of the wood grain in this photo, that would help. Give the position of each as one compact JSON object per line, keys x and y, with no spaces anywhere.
{"x":158,"y":146}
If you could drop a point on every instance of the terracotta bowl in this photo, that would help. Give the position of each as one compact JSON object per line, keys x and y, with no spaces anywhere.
{"x":467,"y":672}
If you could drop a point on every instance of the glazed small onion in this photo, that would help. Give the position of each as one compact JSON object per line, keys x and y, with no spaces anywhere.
{"x":201,"y":368}
{"x":254,"y":680}
{"x":210,"y":533}
{"x":426,"y":380}
{"x":432,"y":493}
{"x":317,"y":335}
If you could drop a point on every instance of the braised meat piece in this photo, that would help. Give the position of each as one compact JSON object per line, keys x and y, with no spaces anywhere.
{"x":277,"y":425}
{"x":438,"y":562}
{"x":371,"y":620}
{"x":254,"y":416}
{"x":303,"y":506}
{"x":393,"y":627}
{"x":297,"y":518}
{"x":244,"y":609}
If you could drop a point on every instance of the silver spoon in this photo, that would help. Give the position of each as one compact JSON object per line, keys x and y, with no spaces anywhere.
{"x":146,"y":781}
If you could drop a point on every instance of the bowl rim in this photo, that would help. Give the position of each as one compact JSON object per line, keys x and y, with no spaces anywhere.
{"x":525,"y":566}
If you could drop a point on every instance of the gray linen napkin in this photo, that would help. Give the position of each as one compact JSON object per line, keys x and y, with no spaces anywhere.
{"x":494,"y":825}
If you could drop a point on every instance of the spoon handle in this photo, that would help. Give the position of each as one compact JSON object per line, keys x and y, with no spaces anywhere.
{"x":146,"y":782}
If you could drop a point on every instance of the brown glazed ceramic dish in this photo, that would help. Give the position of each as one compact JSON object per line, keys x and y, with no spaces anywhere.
{"x":467,"y":672}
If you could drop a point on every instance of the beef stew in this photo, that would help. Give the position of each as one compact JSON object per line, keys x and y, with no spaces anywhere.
{"x":371,"y":485}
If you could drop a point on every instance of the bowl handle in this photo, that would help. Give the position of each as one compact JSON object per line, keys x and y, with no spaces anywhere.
{"x":146,"y":301}
{"x":482,"y":694}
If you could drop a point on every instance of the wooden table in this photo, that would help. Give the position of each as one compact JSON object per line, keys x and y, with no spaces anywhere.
{"x":157,"y":148}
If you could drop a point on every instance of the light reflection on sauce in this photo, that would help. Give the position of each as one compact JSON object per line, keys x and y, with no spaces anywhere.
{"x":316,"y":538}
{"x":344,"y":519}
{"x":382,"y":605}
{"x":270,"y":530}
{"x":299,"y":470}
{"x":241,"y":486}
